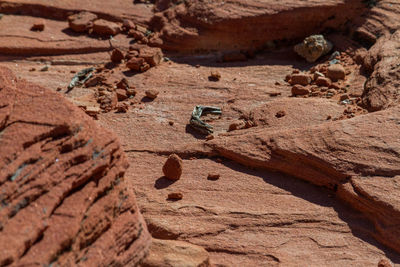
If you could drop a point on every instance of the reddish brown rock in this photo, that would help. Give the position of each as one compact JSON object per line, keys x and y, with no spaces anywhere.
{"x":136,"y":34}
{"x":300,"y":90}
{"x":280,"y":114}
{"x":175,"y":196}
{"x":128,"y":24}
{"x":105,"y":28}
{"x":117,"y":56}
{"x":213,"y":176}
{"x":82,"y":21}
{"x":121,"y":94}
{"x":300,"y":78}
{"x":336,"y":72}
{"x":152,"y":94}
{"x":172,"y":168}
{"x":385,"y":263}
{"x":383,"y":62}
{"x":323,"y":81}
{"x":38,"y":26}
{"x":123,"y":84}
{"x":215,"y":76}
{"x":152,"y":55}
{"x":64,"y":198}
{"x":135,"y":63}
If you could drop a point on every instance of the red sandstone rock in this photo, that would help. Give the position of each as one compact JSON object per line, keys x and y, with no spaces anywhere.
{"x":172,"y":168}
{"x":64,"y":198}
{"x":300,"y":90}
{"x":152,"y":55}
{"x":82,"y":21}
{"x":121,"y":94}
{"x":300,"y":78}
{"x":323,"y":81}
{"x":152,"y":94}
{"x":38,"y":26}
{"x":135,"y":63}
{"x":117,"y":56}
{"x":213,"y":176}
{"x":175,"y":196}
{"x":336,"y":72}
{"x":105,"y":28}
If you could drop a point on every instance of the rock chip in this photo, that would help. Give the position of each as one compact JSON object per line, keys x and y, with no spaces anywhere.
{"x":215,"y":76}
{"x":121,"y":94}
{"x":300,"y":90}
{"x":135,"y":63}
{"x":152,"y":55}
{"x":172,"y":253}
{"x":123,"y":84}
{"x":313,"y":47}
{"x":152,"y":94}
{"x":300,"y":78}
{"x":38,"y":25}
{"x":105,"y":27}
{"x":128,"y":24}
{"x":385,"y":263}
{"x":336,"y":72}
{"x":213,"y":176}
{"x":172,"y":168}
{"x":82,"y":21}
{"x":117,"y":56}
{"x":63,"y":195}
{"x":175,"y":196}
{"x":323,"y":81}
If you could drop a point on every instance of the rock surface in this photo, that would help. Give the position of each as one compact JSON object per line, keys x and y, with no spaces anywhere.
{"x":338,"y":155}
{"x":63,"y":196}
{"x":171,"y":253}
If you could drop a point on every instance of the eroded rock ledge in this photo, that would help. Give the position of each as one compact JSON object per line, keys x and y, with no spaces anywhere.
{"x":63,"y":198}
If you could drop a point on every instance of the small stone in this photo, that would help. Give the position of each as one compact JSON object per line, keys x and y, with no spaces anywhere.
{"x":235,"y":126}
{"x":121,"y":94}
{"x":171,"y":123}
{"x":213,"y":176}
{"x":273,"y":94}
{"x":59,"y":88}
{"x":334,"y":86}
{"x":152,"y":55}
{"x":92,"y":111}
{"x":122,"y":107}
{"x":45,"y":68}
{"x":300,"y":78}
{"x":280,"y":114}
{"x":214,"y":76}
{"x":128,"y":24}
{"x":105,"y":27}
{"x":81,"y":22}
{"x":135,"y":63}
{"x":344,"y":97}
{"x":172,"y":168}
{"x":299,"y":90}
{"x":123,"y":84}
{"x":209,"y":137}
{"x":144,"y":67}
{"x":136,"y":34}
{"x":175,"y":196}
{"x":38,"y":26}
{"x":313,"y":47}
{"x":323,"y":81}
{"x":131,"y":92}
{"x":117,"y":56}
{"x":336,"y":72}
{"x":32,"y":69}
{"x":152,"y":94}
{"x":318,"y":74}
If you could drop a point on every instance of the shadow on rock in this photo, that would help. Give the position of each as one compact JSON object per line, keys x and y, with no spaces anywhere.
{"x":163,"y":182}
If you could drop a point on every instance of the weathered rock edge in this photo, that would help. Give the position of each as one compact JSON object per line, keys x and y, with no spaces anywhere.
{"x":63,"y":198}
{"x":358,"y":158}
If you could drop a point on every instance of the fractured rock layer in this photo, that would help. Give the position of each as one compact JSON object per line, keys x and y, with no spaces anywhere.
{"x":63,"y":195}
